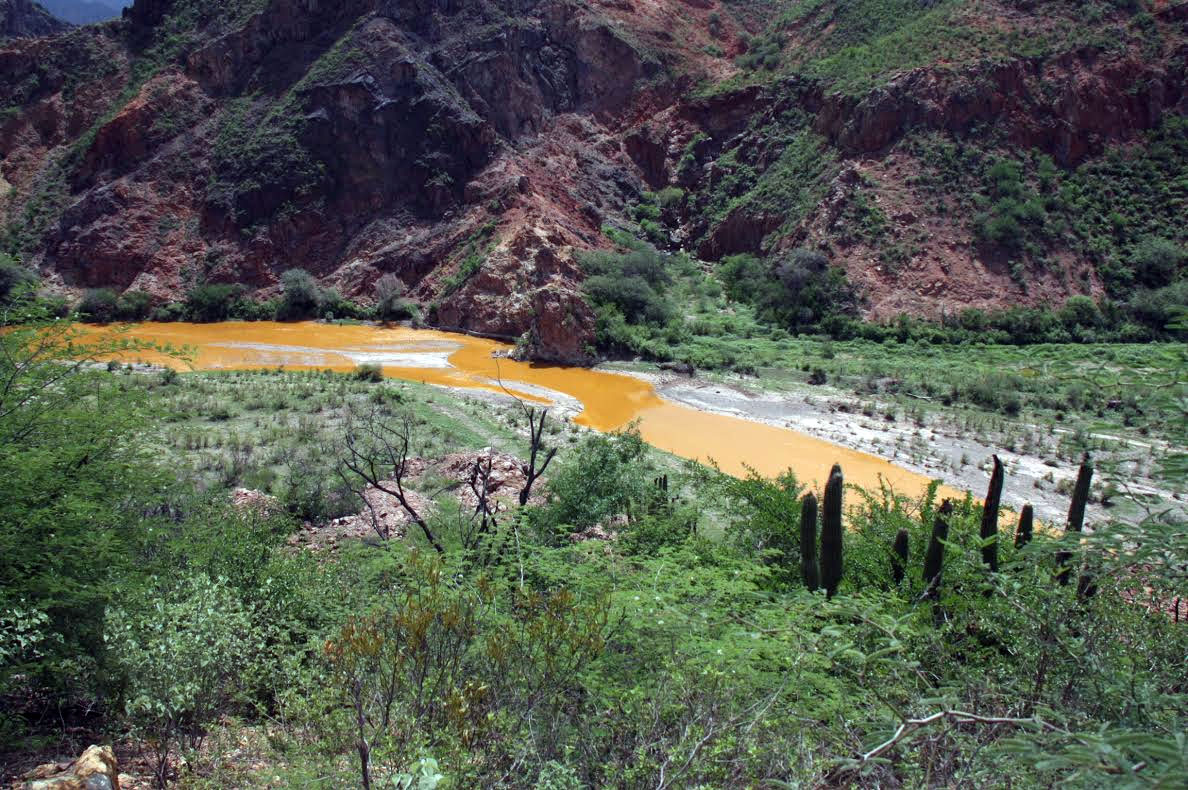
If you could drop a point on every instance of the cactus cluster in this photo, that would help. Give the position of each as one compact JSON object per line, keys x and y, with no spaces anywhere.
{"x":824,"y":568}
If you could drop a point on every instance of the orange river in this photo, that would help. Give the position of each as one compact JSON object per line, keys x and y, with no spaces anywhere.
{"x":610,"y":400}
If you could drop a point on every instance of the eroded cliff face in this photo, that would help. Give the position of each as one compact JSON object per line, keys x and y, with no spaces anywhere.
{"x":472,"y":147}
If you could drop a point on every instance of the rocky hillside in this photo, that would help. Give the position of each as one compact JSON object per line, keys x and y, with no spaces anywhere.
{"x":945,"y":153}
{"x":24,"y":18}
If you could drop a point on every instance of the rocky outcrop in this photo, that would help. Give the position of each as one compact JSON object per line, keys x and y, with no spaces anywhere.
{"x":95,"y":769}
{"x":1070,"y":106}
{"x":27,"y":19}
{"x":472,"y":148}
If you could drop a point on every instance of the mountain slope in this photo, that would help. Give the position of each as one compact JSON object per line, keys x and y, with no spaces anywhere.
{"x":25,"y":18}
{"x":944,"y":154}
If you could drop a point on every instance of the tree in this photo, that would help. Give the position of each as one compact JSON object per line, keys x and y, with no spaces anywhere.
{"x":178,"y":655}
{"x":389,"y":304}
{"x":14,"y":278}
{"x":212,"y":302}
{"x":302,"y":296}
{"x":375,"y":455}
{"x":1158,"y":262}
{"x":75,"y":485}
{"x":98,"y":305}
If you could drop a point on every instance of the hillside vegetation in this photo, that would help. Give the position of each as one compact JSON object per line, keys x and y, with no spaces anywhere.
{"x":485,"y":642}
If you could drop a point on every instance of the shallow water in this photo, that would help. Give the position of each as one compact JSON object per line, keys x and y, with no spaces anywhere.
{"x":610,"y":400}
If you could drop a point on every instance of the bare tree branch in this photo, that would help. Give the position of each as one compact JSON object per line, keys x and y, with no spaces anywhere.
{"x":377,"y":452}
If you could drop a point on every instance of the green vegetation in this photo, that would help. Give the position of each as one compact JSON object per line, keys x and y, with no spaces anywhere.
{"x":1121,"y":211}
{"x":258,"y":161}
{"x":799,"y":291}
{"x":855,"y":46}
{"x":389,"y":302}
{"x":14,"y":278}
{"x":136,"y":601}
{"x":474,"y":252}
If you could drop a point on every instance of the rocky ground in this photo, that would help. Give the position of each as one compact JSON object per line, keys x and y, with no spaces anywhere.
{"x":427,"y":481}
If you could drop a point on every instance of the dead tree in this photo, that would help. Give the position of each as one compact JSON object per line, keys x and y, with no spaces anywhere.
{"x":377,"y":455}
{"x":536,"y":424}
{"x":480,"y":486}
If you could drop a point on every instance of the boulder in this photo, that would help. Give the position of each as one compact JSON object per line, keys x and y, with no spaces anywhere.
{"x":94,"y":770}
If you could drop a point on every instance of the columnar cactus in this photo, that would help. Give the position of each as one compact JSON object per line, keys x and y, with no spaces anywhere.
{"x":831,"y":532}
{"x":1076,"y":516}
{"x":989,"y":530}
{"x":1026,"y":526}
{"x":808,"y":542}
{"x":899,"y":557}
{"x":934,"y":560}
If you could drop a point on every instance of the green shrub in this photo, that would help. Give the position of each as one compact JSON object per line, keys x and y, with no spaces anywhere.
{"x":211,"y":302}
{"x":1158,"y":262}
{"x":1158,"y":308}
{"x":134,"y":306}
{"x":800,"y":290}
{"x":178,"y":655}
{"x":370,"y":372}
{"x":670,"y":197}
{"x":627,"y":289}
{"x":99,"y":305}
{"x":302,"y":297}
{"x":604,"y":475}
{"x":171,"y":311}
{"x":14,"y":277}
{"x":389,"y":302}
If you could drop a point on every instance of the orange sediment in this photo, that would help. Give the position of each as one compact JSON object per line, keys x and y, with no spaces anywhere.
{"x":610,"y":401}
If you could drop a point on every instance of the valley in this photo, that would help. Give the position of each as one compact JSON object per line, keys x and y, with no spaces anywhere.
{"x":564,"y":394}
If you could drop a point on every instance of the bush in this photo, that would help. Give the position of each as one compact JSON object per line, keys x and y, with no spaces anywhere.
{"x":370,"y":372}
{"x":302,"y":297}
{"x":134,"y":306}
{"x":1158,"y":262}
{"x":1080,"y":311}
{"x":99,"y":305}
{"x":177,"y":656}
{"x":629,"y":284}
{"x":213,"y":302}
{"x":389,"y":306}
{"x":171,"y":311}
{"x":605,"y":474}
{"x":670,"y":197}
{"x":1158,"y":308}
{"x":14,"y":277}
{"x":800,"y":291}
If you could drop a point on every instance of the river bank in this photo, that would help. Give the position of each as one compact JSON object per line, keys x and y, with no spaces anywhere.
{"x":769,"y":423}
{"x":937,"y":444}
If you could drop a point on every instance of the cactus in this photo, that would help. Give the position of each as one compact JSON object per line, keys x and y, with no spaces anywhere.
{"x":934,"y":560}
{"x":808,"y":542}
{"x":989,"y":530}
{"x":1076,"y":516}
{"x":831,"y":532}
{"x":899,"y":557}
{"x":1026,"y":526}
